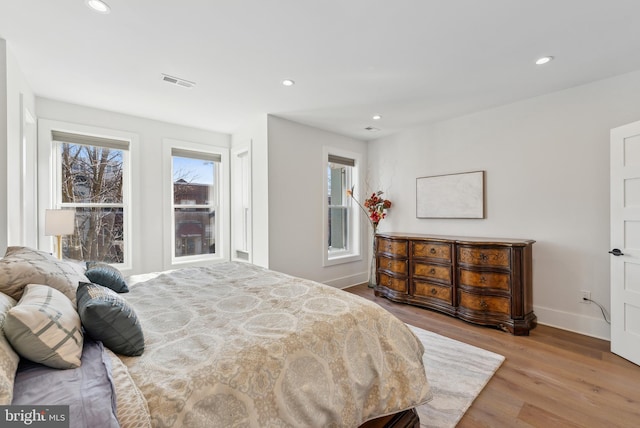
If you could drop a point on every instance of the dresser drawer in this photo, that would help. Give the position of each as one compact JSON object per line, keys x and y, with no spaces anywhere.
{"x":431,"y":250}
{"x":398,"y":266}
{"x":433,"y":291}
{"x":393,"y":283}
{"x":394,"y":247}
{"x":494,"y":280}
{"x":488,"y":304}
{"x":498,"y":257}
{"x":432,"y":271}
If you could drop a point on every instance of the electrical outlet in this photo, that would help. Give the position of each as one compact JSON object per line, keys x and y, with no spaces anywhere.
{"x":583,"y":294}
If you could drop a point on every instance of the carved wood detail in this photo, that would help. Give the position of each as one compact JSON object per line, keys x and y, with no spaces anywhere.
{"x":484,"y":281}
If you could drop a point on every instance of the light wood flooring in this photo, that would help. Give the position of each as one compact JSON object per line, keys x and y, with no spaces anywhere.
{"x":551,"y":378}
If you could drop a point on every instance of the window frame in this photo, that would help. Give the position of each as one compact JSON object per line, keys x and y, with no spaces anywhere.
{"x":221,"y":203}
{"x":125,"y":205}
{"x":346,"y":206}
{"x":355,"y":226}
{"x":50,"y":175}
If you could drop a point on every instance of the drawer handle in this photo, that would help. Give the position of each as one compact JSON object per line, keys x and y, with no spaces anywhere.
{"x":432,"y":271}
{"x":434,"y":291}
{"x":483,"y":304}
{"x":484,"y":257}
{"x":432,"y":250}
{"x":389,"y":264}
{"x":388,"y":281}
{"x":483,"y":279}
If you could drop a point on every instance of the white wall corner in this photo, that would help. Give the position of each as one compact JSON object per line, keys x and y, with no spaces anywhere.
{"x":3,"y":145}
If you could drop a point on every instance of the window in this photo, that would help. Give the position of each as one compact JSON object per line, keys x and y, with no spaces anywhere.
{"x":342,"y":226}
{"x":195,"y":196}
{"x":92,"y":178}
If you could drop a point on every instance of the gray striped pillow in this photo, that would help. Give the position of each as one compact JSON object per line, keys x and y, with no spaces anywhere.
{"x":45,"y":328}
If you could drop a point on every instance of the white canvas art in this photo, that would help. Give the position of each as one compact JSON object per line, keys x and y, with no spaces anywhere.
{"x":450,"y":196}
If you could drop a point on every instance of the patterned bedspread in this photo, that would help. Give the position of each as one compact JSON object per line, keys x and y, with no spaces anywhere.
{"x":237,"y":345}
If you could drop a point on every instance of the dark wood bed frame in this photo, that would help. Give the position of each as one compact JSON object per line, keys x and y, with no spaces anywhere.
{"x":406,"y":419}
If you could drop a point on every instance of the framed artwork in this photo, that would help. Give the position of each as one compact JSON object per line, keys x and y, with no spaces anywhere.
{"x":450,"y":196}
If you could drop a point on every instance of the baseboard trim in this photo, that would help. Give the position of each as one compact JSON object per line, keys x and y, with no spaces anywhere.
{"x":581,"y":324}
{"x":589,"y":326}
{"x":347,"y":281}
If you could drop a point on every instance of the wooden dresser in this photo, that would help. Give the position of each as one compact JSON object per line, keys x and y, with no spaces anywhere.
{"x":480,"y":280}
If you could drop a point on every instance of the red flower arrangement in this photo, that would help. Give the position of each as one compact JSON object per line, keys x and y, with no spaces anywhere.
{"x":374,"y":207}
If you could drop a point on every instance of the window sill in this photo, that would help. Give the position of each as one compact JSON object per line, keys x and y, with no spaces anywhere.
{"x":194,"y":261}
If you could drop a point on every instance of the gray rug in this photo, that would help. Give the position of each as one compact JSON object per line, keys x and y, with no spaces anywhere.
{"x":457,"y":372}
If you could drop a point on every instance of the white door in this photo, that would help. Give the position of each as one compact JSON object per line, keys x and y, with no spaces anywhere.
{"x":625,"y":241}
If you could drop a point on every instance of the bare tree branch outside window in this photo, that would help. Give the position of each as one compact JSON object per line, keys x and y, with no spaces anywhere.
{"x":92,"y":182}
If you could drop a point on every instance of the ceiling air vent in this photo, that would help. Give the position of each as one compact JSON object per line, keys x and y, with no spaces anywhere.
{"x":371,"y":129}
{"x":178,"y":81}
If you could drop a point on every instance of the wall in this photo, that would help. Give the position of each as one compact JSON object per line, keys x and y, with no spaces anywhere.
{"x":547,"y":178}
{"x":17,"y":216}
{"x":21,"y":151}
{"x":147,"y":181}
{"x":296,"y":173}
{"x":3,"y":146}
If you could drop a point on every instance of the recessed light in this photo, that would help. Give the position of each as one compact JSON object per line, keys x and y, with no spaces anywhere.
{"x":98,"y":6}
{"x":288,"y":82}
{"x":377,"y":117}
{"x":543,"y":60}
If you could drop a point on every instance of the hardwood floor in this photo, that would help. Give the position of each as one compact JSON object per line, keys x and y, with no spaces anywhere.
{"x":552,"y":378}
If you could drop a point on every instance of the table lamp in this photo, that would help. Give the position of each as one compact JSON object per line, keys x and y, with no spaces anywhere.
{"x":58,"y":223}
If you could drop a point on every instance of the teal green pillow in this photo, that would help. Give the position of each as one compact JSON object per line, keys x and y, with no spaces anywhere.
{"x":107,"y":276}
{"x":107,"y":317}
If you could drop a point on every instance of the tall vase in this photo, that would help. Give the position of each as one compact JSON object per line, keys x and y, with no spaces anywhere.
{"x":373,"y":283}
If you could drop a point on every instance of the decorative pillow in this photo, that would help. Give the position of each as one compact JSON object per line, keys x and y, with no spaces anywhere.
{"x":107,"y":276}
{"x":109,"y":318}
{"x":45,"y":328}
{"x":21,"y":266}
{"x":8,"y":358}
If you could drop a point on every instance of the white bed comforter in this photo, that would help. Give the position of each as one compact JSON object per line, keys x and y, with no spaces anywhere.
{"x":237,"y":345}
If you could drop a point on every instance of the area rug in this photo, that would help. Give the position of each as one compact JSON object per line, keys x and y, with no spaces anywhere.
{"x":457,"y":372}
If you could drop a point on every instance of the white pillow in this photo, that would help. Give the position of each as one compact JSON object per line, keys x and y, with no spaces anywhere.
{"x":45,"y":328}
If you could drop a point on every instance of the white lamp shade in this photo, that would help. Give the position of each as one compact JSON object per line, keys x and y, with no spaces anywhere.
{"x":59,"y":222}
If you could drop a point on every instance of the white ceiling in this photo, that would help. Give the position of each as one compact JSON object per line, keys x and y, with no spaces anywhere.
{"x":412,"y":61}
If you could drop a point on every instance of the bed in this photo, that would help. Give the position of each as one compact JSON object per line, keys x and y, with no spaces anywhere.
{"x":234,"y":344}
